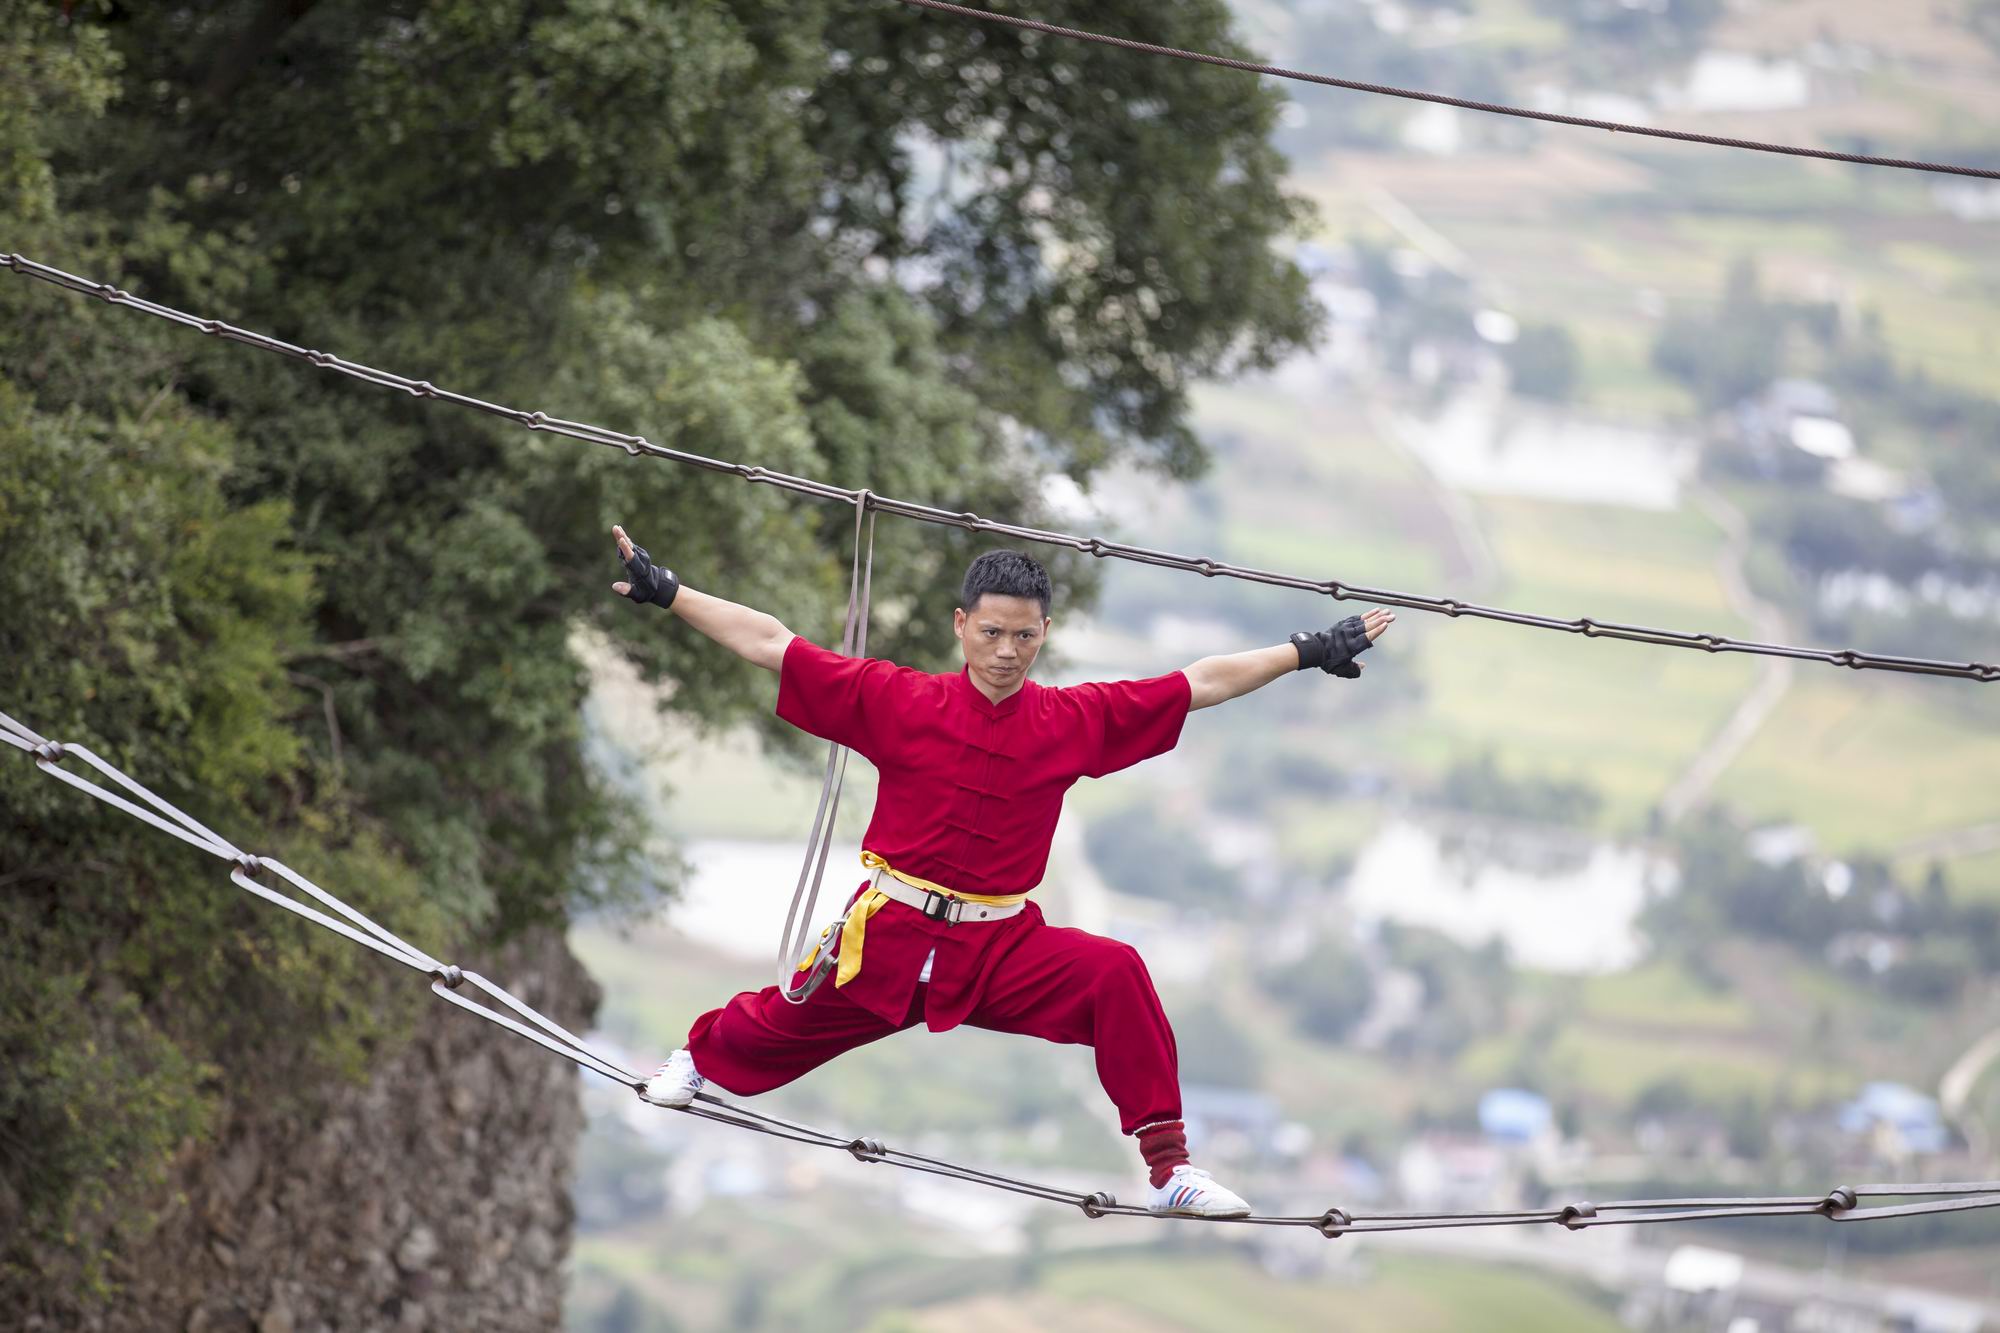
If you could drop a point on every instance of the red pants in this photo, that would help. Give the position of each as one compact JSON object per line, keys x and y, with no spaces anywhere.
{"x":1058,"y":983}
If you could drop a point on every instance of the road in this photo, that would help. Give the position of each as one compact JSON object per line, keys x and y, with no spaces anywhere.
{"x":1774,"y":674}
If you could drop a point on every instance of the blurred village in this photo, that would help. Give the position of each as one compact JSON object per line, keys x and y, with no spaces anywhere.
{"x":1515,"y":918}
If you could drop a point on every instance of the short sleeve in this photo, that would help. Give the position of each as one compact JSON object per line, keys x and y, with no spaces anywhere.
{"x":851,"y":701}
{"x":1130,"y":720}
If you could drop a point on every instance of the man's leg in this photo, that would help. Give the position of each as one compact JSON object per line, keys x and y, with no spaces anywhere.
{"x":760,"y":1040}
{"x":1067,"y":985}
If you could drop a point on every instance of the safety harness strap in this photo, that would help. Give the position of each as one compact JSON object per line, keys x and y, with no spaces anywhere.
{"x":792,"y":944}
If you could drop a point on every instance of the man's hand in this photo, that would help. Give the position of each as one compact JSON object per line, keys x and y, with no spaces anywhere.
{"x":1335,"y":650}
{"x":757,"y":638}
{"x":624,"y":556}
{"x":651,"y":582}
{"x":1373,"y":624}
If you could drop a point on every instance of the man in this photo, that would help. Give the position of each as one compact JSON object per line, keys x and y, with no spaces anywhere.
{"x":973,"y":768}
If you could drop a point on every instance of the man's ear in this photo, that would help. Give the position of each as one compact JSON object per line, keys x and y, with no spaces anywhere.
{"x":958,"y":622}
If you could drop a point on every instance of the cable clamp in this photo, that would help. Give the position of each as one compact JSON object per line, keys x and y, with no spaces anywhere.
{"x":50,"y":750}
{"x":867,"y":1150}
{"x":249,"y":863}
{"x":1098,"y":1204}
{"x":449,"y":974}
{"x":1334,"y":1222}
{"x":1575,"y":1215}
{"x":1838,"y":1200}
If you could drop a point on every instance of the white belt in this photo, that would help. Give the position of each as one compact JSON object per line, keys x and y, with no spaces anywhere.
{"x":938,"y":907}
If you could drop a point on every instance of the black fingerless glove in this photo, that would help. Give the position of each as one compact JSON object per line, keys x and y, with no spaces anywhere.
{"x":1334,"y":650}
{"x":650,"y":582}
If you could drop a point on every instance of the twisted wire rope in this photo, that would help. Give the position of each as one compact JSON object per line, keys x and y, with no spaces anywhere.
{"x":1442,"y":99}
{"x":865,"y":499}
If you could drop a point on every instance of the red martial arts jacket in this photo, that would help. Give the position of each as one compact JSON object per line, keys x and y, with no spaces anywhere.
{"x":968,"y":797}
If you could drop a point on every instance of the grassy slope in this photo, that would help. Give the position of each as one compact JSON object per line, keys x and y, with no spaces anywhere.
{"x":1225,"y":1294}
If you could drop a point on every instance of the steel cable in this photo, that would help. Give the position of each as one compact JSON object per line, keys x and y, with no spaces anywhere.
{"x":1841,"y":1204}
{"x":862,"y":498}
{"x":1441,"y":99}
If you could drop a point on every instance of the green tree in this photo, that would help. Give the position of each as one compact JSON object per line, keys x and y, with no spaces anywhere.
{"x":827,"y":237}
{"x":1328,"y":989}
{"x":1542,"y":362}
{"x":1730,"y":355}
{"x":1139,"y":853}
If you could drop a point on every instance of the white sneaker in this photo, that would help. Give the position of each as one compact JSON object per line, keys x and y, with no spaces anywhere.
{"x":674,"y":1083}
{"x":1191,"y":1192}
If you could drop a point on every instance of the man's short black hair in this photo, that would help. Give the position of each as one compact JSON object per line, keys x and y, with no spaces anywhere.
{"x":1006,"y":574}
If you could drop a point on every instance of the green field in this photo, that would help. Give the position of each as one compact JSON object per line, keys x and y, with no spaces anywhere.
{"x":1623,"y":717}
{"x":1867,"y":763}
{"x":1200,"y":1292}
{"x":1661,"y":995}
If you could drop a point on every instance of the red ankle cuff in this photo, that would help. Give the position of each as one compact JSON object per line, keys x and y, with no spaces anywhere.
{"x":1164,"y":1146}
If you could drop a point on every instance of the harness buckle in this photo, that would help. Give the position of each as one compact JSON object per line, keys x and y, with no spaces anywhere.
{"x":937,"y":907}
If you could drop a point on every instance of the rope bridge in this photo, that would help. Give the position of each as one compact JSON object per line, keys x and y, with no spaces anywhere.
{"x":497,"y":1005}
{"x":472,"y":992}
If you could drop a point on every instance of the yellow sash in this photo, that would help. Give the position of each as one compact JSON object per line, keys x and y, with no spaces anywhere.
{"x":855,"y":932}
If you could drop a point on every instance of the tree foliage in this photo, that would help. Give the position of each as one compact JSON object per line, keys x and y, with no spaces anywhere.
{"x":824,"y":236}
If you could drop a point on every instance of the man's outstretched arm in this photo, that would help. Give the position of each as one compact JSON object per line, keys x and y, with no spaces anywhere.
{"x":1215,"y":680}
{"x":755,"y":636}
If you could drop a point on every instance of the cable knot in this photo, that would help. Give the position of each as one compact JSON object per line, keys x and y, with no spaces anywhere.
{"x":867,"y":1150}
{"x":424,"y":389}
{"x":970,"y":520}
{"x":535,"y":420}
{"x":1710,"y":642}
{"x":1097,"y":1204}
{"x":1847,"y":657}
{"x":1334,"y":1222}
{"x":1206,"y":567}
{"x":637,"y":444}
{"x":321,"y":359}
{"x":1451,"y":607}
{"x":50,"y":750}
{"x":449,"y":974}
{"x":1575,"y":1215}
{"x":249,"y":863}
{"x":1587,"y":626}
{"x":1838,"y":1200}
{"x":1095,"y":546}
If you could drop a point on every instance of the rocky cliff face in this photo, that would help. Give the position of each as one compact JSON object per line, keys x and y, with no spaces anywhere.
{"x":435,"y":1197}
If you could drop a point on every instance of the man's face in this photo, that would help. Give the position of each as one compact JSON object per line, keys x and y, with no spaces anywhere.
{"x":1001,"y":636}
